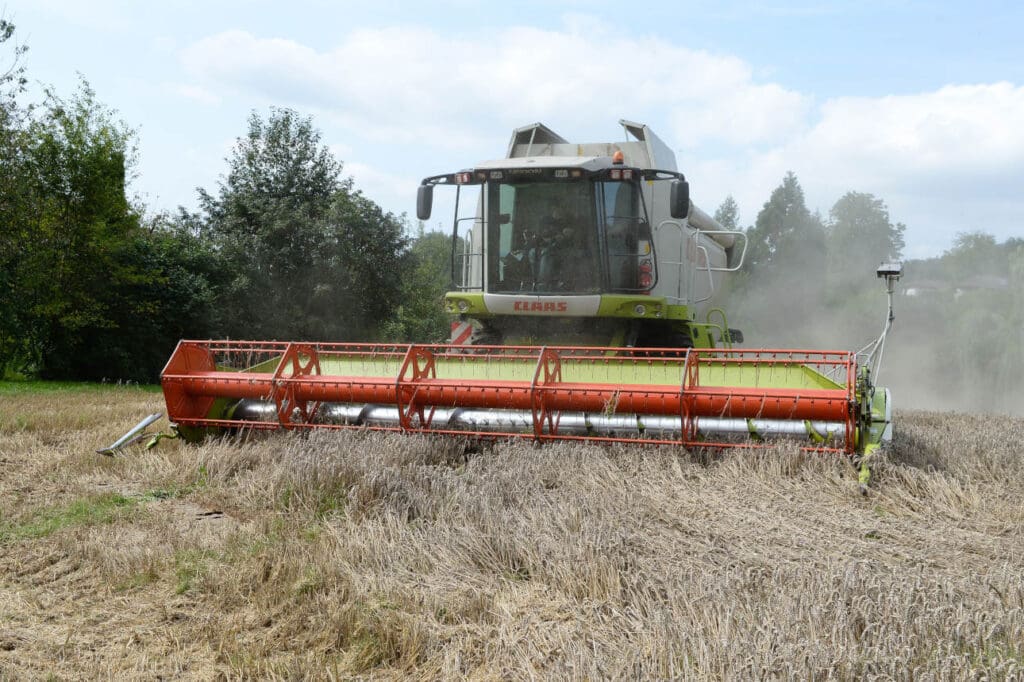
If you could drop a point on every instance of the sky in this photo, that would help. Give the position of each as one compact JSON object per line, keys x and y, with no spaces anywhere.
{"x":918,"y":103}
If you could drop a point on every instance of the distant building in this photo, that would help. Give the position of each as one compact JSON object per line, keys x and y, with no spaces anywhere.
{"x":925,"y":287}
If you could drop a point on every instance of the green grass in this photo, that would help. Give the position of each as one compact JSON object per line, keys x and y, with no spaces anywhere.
{"x":175,"y":490}
{"x":190,"y":566}
{"x":138,"y":579}
{"x":88,"y":511}
{"x":33,"y":387}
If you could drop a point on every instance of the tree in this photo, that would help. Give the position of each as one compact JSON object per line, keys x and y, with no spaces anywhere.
{"x":81,"y":283}
{"x":420,"y":316}
{"x":975,"y":253}
{"x":309,"y":256}
{"x":175,"y":298}
{"x":75,"y":228}
{"x":358,"y":286}
{"x":728,"y":214}
{"x":784,"y":269}
{"x":268,"y":221}
{"x":982,"y":330}
{"x":785,"y":232}
{"x":14,"y":188}
{"x":860,"y":236}
{"x":12,"y":80}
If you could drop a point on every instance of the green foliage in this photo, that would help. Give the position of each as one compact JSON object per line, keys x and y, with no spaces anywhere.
{"x":420,"y":317}
{"x":14,"y":182}
{"x":88,"y":291}
{"x":975,"y":253}
{"x":12,"y":78}
{"x":188,"y":273}
{"x":785,"y":232}
{"x":96,"y":295}
{"x":190,"y":568}
{"x":92,"y":291}
{"x":958,"y":341}
{"x":861,"y":236}
{"x":307,"y":256}
{"x":88,"y":511}
{"x":785,"y":263}
{"x":268,"y":221}
{"x":728,"y":214}
{"x":72,"y":238}
{"x":965,"y":322}
{"x":358,"y":285}
{"x":27,"y":388}
{"x":806,"y":283}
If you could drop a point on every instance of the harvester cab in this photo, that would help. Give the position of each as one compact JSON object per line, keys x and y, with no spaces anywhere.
{"x":585,"y":244}
{"x":583,"y":284}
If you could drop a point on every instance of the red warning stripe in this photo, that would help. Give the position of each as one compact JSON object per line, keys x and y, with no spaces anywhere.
{"x":461,"y":332}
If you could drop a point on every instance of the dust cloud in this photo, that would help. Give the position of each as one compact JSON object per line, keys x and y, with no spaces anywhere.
{"x":956,"y":343}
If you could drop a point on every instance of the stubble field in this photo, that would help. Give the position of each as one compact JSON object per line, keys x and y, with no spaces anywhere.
{"x":371,"y":555}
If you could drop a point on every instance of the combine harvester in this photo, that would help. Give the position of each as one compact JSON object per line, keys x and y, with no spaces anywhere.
{"x":583,"y":279}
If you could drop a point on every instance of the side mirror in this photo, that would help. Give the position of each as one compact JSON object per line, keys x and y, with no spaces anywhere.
{"x":679,"y":199}
{"x":424,"y":201}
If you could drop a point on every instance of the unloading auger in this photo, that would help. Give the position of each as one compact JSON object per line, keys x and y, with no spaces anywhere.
{"x":583,"y":276}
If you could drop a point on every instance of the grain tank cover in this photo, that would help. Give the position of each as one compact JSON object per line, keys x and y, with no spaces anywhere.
{"x":645,"y":150}
{"x":658,"y":153}
{"x":533,"y":134}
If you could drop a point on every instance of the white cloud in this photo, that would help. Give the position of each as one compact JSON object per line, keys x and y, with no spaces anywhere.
{"x":946,"y":161}
{"x":969,"y":128}
{"x":411,"y":100}
{"x":380,"y":185}
{"x":195,"y":93}
{"x":410,"y":83}
{"x":106,"y":16}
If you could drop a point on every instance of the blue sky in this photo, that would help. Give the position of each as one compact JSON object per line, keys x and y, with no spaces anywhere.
{"x":919,"y":103}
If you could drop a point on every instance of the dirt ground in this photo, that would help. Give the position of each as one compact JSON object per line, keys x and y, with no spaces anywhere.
{"x":367,"y":555}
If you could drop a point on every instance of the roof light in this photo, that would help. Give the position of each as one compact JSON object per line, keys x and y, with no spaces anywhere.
{"x":497,"y":175}
{"x":615,"y":174}
{"x":561,"y":173}
{"x":463,"y":178}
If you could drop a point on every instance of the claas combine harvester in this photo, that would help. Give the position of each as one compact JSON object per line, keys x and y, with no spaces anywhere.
{"x":583,"y":279}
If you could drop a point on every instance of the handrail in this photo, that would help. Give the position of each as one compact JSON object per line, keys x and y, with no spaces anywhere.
{"x":682,"y":239}
{"x":466,"y":255}
{"x":743,"y":253}
{"x":707,"y":268}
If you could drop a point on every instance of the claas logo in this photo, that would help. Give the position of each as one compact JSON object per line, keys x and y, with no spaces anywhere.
{"x":541,"y":306}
